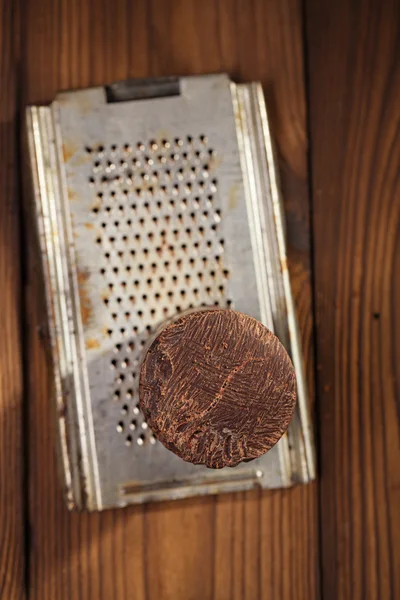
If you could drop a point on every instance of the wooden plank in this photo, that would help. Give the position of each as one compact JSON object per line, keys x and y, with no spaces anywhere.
{"x":12,"y":526}
{"x":354,"y":112}
{"x":257,"y":545}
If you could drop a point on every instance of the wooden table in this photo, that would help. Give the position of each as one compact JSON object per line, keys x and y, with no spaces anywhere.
{"x":332,"y":79}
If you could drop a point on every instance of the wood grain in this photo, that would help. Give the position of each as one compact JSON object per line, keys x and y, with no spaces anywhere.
{"x":353,"y":62}
{"x":250,"y":546}
{"x":11,"y":386}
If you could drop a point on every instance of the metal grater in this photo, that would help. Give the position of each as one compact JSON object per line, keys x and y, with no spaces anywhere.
{"x":154,"y":197}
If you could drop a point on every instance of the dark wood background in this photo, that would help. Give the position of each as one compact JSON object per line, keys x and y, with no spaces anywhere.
{"x":332,"y":80}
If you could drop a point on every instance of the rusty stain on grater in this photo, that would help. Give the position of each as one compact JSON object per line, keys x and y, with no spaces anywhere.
{"x":152,"y":198}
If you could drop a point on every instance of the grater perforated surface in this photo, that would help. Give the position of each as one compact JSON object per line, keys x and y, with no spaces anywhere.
{"x":161,"y":249}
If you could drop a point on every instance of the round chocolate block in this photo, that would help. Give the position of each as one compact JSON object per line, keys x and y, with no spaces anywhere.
{"x":217,"y":388}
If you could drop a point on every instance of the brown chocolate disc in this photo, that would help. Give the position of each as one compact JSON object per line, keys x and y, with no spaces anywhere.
{"x":217,"y":388}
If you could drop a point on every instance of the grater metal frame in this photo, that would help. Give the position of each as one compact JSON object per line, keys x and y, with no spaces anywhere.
{"x":241,"y":239}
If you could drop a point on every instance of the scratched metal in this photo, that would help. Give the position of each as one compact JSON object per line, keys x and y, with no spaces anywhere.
{"x":147,"y":208}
